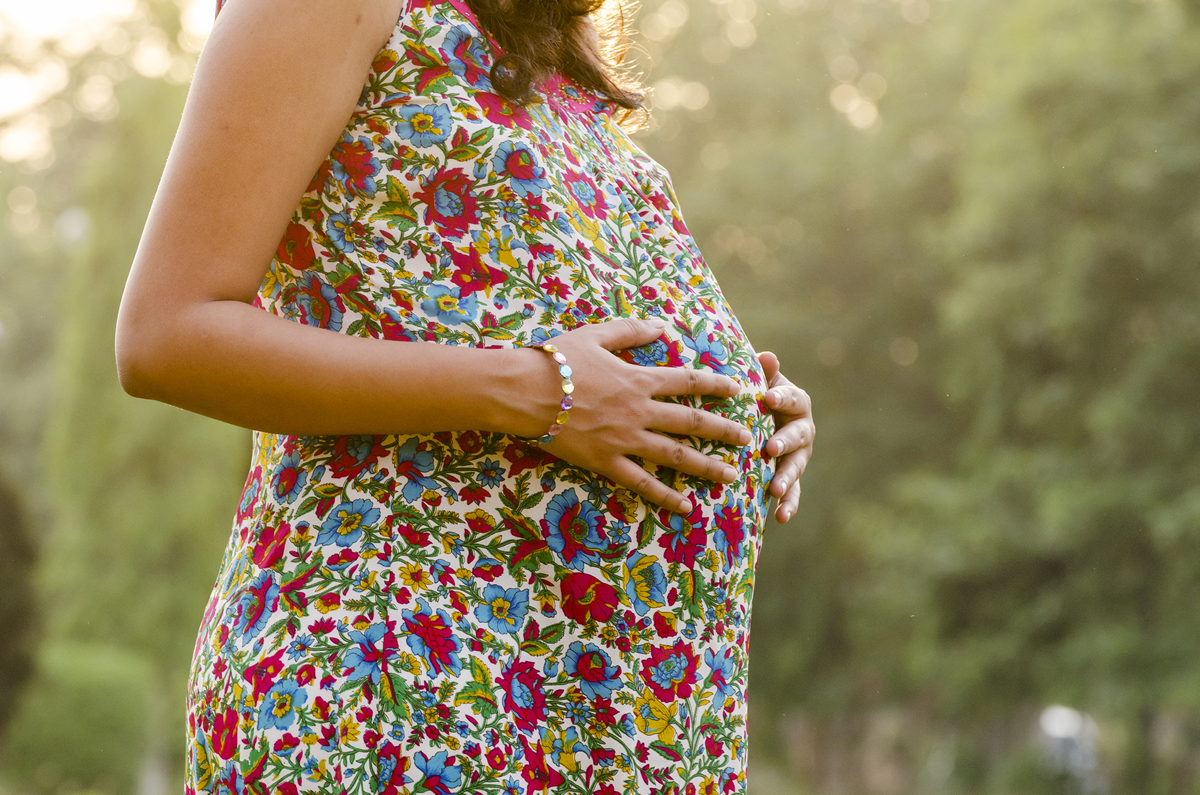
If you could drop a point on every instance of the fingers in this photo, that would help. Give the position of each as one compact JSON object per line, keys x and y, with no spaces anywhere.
{"x":770,"y":366}
{"x":626,"y":332}
{"x":667,"y":452}
{"x":789,"y":399}
{"x":628,"y":474}
{"x":688,"y":421}
{"x":786,"y":508}
{"x":792,"y":435}
{"x":671,"y":381}
{"x":788,"y":472}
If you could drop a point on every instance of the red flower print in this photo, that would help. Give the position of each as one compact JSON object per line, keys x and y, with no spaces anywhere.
{"x":586,"y":598}
{"x":670,"y":672}
{"x":524,"y":696}
{"x":500,"y":111}
{"x":353,"y":454}
{"x":269,"y":547}
{"x":522,"y":456}
{"x":296,"y":248}
{"x":539,"y":777}
{"x":224,"y":734}
{"x":472,"y":274}
{"x":433,"y":638}
{"x":263,"y":673}
{"x":450,"y":205}
{"x":354,"y":165}
{"x":684,"y":536}
{"x":469,"y":442}
{"x":391,"y":766}
{"x":664,"y":624}
{"x":587,"y":195}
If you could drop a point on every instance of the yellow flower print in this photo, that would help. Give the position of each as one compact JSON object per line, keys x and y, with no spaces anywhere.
{"x":654,"y":717}
{"x":415,"y":577}
{"x":349,"y":730}
{"x":410,"y":663}
{"x":479,"y":517}
{"x":203,"y":766}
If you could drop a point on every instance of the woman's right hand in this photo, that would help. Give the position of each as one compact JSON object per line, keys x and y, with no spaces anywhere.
{"x":615,"y":415}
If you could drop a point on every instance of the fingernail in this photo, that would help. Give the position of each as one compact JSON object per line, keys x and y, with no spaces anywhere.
{"x":658,"y":322}
{"x":729,"y":474}
{"x":684,"y":505}
{"x":744,"y":437}
{"x":787,"y":514}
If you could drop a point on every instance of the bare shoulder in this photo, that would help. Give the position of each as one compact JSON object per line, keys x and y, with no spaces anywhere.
{"x":275,"y":86}
{"x":353,"y":24}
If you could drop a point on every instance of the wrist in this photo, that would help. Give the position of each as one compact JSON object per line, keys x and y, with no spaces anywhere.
{"x":527,"y":393}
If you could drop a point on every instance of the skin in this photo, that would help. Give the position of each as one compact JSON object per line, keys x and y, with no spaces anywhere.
{"x":271,"y":95}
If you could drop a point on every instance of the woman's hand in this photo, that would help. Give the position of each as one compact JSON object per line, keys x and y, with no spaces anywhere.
{"x":615,"y":415}
{"x":792,"y":443}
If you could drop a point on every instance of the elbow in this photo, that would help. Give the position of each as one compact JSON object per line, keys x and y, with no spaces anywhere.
{"x":136,"y":359}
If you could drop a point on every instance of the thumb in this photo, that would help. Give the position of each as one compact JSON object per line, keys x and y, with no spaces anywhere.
{"x":627,"y":332}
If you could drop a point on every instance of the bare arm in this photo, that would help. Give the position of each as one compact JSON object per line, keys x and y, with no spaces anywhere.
{"x":275,"y":87}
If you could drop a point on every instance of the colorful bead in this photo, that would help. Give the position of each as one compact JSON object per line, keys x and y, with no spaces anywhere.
{"x":567,"y":401}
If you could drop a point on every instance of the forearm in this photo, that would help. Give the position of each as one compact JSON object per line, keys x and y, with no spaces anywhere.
{"x":239,"y":364}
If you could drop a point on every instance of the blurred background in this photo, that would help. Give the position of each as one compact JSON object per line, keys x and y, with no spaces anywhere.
{"x":969,"y":228}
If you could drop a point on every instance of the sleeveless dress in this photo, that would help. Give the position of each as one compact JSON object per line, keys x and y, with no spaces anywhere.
{"x":463,"y":612}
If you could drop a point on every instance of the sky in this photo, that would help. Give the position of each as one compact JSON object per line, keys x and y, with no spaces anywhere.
{"x":44,"y":19}
{"x":78,"y":25}
{"x":54,"y":19}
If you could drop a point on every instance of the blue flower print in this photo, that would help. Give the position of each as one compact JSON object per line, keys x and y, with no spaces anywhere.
{"x":562,"y":746}
{"x":288,"y":479}
{"x":598,"y":677}
{"x":414,"y":465}
{"x":517,"y":161}
{"x":299,"y":648}
{"x":465,"y":57}
{"x":424,"y":125}
{"x":711,"y":352}
{"x":447,"y":305}
{"x":440,"y":777}
{"x":319,"y":303}
{"x":503,"y":610}
{"x":346,"y":522}
{"x":366,"y":658}
{"x":430,"y":635}
{"x":490,"y":473}
{"x":255,"y":605}
{"x":574,"y":530}
{"x":722,"y":668}
{"x":338,"y":227}
{"x":645,"y":583}
{"x":279,"y":705}
{"x":654,"y":354}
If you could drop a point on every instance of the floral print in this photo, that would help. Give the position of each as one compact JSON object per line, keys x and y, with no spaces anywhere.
{"x":463,"y":612}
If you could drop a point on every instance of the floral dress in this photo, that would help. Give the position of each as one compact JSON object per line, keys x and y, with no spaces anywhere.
{"x":463,"y":612}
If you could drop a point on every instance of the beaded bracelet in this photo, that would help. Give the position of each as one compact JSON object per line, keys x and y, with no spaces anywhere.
{"x":567,"y":388}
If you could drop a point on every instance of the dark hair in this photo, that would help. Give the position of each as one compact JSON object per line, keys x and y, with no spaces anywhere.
{"x":582,"y":39}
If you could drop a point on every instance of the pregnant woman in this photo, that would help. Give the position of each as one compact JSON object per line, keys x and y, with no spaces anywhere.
{"x":513,"y":452}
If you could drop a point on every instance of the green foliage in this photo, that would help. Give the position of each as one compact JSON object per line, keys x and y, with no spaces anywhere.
{"x":17,"y":609}
{"x":990,"y":290}
{"x":84,"y":724}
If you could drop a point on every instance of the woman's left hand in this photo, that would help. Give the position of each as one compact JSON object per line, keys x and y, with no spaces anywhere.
{"x":792,"y":444}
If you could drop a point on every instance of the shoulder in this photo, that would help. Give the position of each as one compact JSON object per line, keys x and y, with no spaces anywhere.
{"x":370,"y":19}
